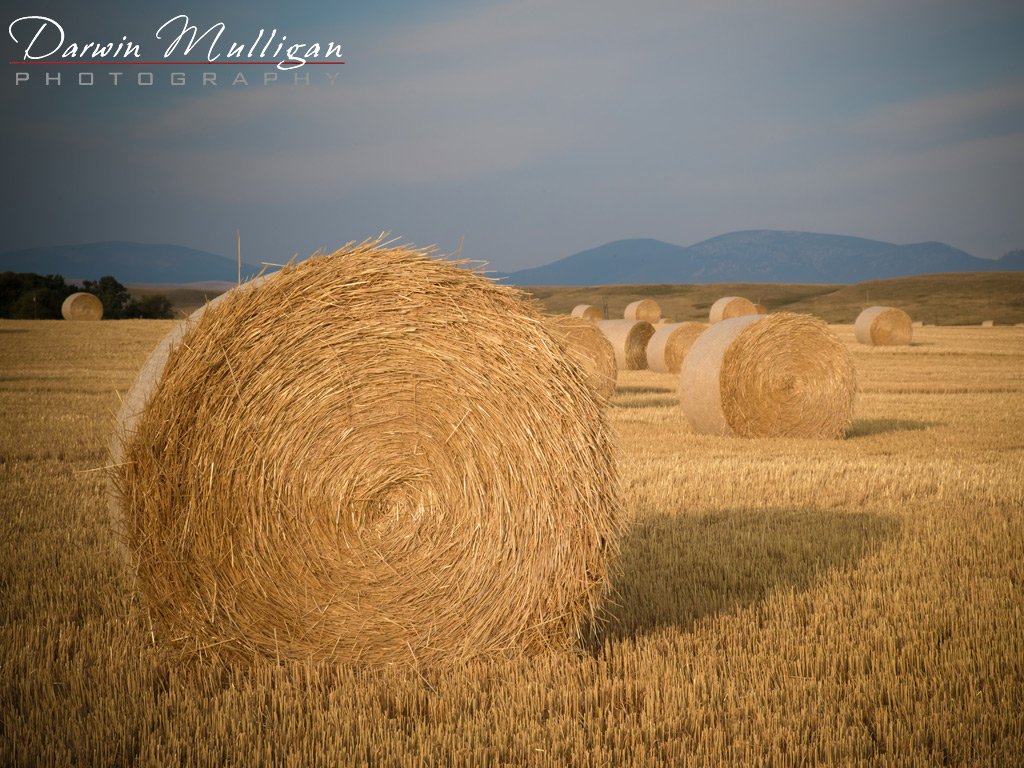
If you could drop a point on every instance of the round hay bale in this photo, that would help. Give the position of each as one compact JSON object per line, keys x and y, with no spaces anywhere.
{"x":587,"y":312}
{"x":781,"y":375}
{"x":760,"y":309}
{"x":592,"y":351}
{"x":883,"y":327}
{"x":987,"y":323}
{"x":82,"y":306}
{"x":669,"y":345}
{"x":629,"y":340}
{"x":372,"y":457}
{"x":644,"y":309}
{"x":731,"y":306}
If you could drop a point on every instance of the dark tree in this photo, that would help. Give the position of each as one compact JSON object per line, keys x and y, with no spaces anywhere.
{"x":28,"y":296}
{"x":155,"y":307}
{"x":115,"y":297}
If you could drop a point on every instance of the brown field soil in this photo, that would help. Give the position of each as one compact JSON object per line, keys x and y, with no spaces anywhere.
{"x":779,"y":601}
{"x":947,"y":299}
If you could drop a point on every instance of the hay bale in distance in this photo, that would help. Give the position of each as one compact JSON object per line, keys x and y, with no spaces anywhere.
{"x":592,"y":351}
{"x":730,"y":306}
{"x":643,"y":309}
{"x":629,"y":339}
{"x":372,"y":457}
{"x":987,"y":323}
{"x":780,"y":375}
{"x":587,"y":312}
{"x":917,"y":324}
{"x":669,"y":345}
{"x":82,"y":306}
{"x":883,"y":327}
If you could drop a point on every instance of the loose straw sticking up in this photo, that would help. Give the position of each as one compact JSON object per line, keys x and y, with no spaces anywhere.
{"x":883,"y":327}
{"x":587,"y":312}
{"x":373,"y":457}
{"x":82,"y":306}
{"x":591,"y":349}
{"x":731,"y":306}
{"x":669,"y":345}
{"x":781,"y":375}
{"x":644,"y":309}
{"x":629,"y":340}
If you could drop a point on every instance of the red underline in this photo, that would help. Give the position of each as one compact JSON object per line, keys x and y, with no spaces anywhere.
{"x":169,"y":63}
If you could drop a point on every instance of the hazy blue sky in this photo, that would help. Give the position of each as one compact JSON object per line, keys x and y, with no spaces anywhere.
{"x":533,"y":129}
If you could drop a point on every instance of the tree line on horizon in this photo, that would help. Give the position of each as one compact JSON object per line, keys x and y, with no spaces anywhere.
{"x":28,"y":296}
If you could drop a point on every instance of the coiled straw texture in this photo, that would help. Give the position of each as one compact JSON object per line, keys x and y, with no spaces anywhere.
{"x":592,"y":351}
{"x":647,"y":310}
{"x":372,"y":457}
{"x":669,"y":345}
{"x":781,"y":375}
{"x":731,"y":306}
{"x":587,"y":312}
{"x":629,"y":340}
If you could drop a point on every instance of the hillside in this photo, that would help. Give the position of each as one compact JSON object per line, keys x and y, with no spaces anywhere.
{"x":945,"y":299}
{"x":127,"y":262}
{"x":768,"y":256}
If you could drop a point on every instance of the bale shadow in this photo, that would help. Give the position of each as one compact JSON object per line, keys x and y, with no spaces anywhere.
{"x":676,"y":570}
{"x":865,"y":427}
{"x":643,"y":390}
{"x":13,"y":330}
{"x":654,"y":402}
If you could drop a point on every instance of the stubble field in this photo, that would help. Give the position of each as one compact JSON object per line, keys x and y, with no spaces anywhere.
{"x":783,"y":602}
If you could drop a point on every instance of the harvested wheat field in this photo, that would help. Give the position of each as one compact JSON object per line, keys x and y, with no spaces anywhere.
{"x":779,"y":601}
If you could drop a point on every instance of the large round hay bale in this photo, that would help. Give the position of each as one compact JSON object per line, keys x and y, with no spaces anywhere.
{"x":592,"y":351}
{"x":82,"y":306}
{"x":781,"y":375}
{"x":883,"y":327}
{"x":644,"y":309}
{"x":587,"y":312}
{"x":669,"y":345}
{"x":372,"y":457}
{"x":731,"y":306}
{"x":629,"y":340}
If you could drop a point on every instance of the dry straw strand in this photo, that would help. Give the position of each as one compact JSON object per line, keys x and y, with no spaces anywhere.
{"x":82,"y":306}
{"x":781,"y":375}
{"x":643,"y":309}
{"x":592,"y":351}
{"x":669,"y":345}
{"x":629,"y":340}
{"x":373,"y":456}
{"x":884,"y":327}
{"x":731,"y":306}
{"x":587,"y":312}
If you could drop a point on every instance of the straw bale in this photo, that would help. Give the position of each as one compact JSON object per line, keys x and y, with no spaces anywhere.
{"x":592,"y":351}
{"x":669,"y":345}
{"x":372,"y":457}
{"x":883,"y":327}
{"x":780,"y":375}
{"x":987,"y":323}
{"x":731,"y":306}
{"x":644,"y":309}
{"x":629,"y":340}
{"x":82,"y":306}
{"x":587,"y":312}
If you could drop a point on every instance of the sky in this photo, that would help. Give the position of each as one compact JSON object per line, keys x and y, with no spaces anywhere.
{"x":526,"y":131}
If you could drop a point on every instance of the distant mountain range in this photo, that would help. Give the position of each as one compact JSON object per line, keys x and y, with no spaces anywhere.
{"x":757,"y":256}
{"x":126,"y":262}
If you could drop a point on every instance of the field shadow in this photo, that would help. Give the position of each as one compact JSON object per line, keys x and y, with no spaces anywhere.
{"x":643,"y":390}
{"x":676,"y":570}
{"x":865,"y":427}
{"x":13,"y":330}
{"x":654,"y":402}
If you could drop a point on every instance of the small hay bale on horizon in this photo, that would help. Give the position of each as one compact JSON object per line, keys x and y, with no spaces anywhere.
{"x":373,"y":457}
{"x":669,"y":345}
{"x":592,"y":349}
{"x":883,"y":327}
{"x":82,"y":306}
{"x":730,"y":306}
{"x":647,"y":310}
{"x":587,"y":312}
{"x":780,"y":375}
{"x":987,"y":323}
{"x":629,"y":339}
